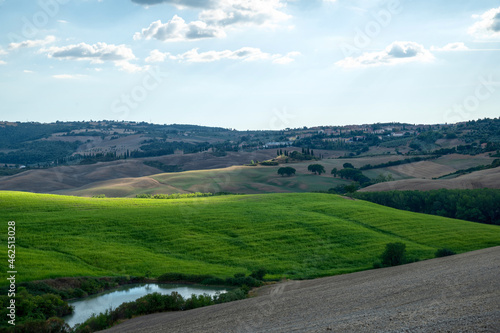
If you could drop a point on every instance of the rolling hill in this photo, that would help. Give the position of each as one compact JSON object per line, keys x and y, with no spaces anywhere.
{"x":291,"y":235}
{"x":480,"y":179}
{"x":75,"y":176}
{"x":264,"y":179}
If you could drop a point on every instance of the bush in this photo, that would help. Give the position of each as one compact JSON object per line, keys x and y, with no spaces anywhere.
{"x":444,"y":252}
{"x":152,"y":303}
{"x":259,"y":274}
{"x":239,"y":279}
{"x":394,"y":254}
{"x":269,"y":163}
{"x":377,"y":264}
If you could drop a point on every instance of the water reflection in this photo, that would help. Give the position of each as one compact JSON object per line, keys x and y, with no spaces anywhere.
{"x":84,"y":308}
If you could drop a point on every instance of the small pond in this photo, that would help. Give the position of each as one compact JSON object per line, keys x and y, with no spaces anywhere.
{"x":84,"y":308}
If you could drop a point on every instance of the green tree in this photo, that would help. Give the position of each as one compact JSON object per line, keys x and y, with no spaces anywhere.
{"x":394,"y":254}
{"x":286,"y":171}
{"x":316,"y":168}
{"x":348,"y":166}
{"x":334,"y":172}
{"x":351,"y":188}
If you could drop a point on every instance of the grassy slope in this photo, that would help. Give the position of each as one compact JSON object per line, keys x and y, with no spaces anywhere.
{"x":294,"y":235}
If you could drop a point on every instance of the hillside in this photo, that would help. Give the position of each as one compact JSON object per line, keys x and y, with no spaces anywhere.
{"x":454,"y":294}
{"x":264,"y":179}
{"x":103,"y":157}
{"x":291,"y":235}
{"x":118,"y":178}
{"x":480,"y":179}
{"x":75,"y":176}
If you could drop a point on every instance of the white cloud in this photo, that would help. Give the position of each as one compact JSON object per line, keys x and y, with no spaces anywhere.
{"x":98,"y":53}
{"x":180,"y":3}
{"x":245,"y":12}
{"x":488,"y":25}
{"x":214,"y":19}
{"x":156,"y":56}
{"x":68,"y":76}
{"x":3,"y":52}
{"x":62,"y":21}
{"x":287,"y":58}
{"x":243,"y":54}
{"x":178,"y":30}
{"x":458,"y":46}
{"x":396,"y":53}
{"x":28,"y":71}
{"x":131,"y":68}
{"x":32,"y":43}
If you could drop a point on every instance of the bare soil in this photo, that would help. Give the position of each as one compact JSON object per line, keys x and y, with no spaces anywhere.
{"x":459,"y":293}
{"x":423,"y":169}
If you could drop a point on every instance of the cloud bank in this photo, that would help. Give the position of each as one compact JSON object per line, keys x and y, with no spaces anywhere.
{"x":488,"y":25}
{"x":458,"y":46}
{"x":397,"y":53}
{"x":97,"y":53}
{"x":243,"y":54}
{"x":216,"y":17}
{"x":178,"y":30}
{"x":32,"y":43}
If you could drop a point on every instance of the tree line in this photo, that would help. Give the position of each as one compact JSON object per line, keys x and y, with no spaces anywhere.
{"x":480,"y":205}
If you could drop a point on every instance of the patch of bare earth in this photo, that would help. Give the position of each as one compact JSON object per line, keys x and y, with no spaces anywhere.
{"x":459,"y":293}
{"x":424,"y":169}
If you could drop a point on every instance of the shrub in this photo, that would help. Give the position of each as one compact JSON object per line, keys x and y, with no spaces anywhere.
{"x":394,"y":254}
{"x":269,"y":163}
{"x":152,"y":303}
{"x":214,"y":281}
{"x":444,"y":252}
{"x":259,"y":274}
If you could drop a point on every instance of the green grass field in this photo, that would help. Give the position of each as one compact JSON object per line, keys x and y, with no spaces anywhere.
{"x":291,"y":235}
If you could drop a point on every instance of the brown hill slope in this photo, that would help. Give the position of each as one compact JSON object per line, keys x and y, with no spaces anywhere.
{"x":460,"y":293}
{"x":70,"y":177}
{"x":480,"y":179}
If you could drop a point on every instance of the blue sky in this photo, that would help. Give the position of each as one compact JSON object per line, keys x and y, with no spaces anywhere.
{"x":250,"y":64}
